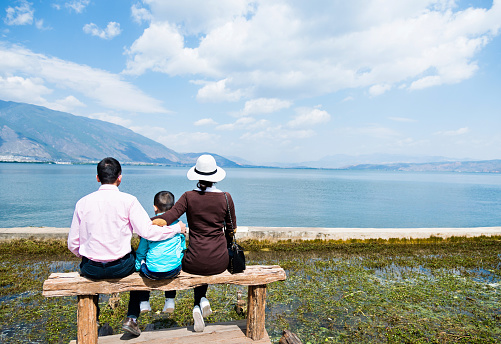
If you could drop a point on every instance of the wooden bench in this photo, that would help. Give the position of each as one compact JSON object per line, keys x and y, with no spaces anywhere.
{"x":72,"y":284}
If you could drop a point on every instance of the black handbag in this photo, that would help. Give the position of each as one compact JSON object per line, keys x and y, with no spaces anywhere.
{"x":235,"y":251}
{"x":237,"y":258}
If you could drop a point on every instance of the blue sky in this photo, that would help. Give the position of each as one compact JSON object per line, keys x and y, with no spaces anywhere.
{"x":267,"y":81}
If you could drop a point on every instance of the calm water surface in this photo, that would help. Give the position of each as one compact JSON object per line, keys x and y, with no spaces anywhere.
{"x":45,"y":195}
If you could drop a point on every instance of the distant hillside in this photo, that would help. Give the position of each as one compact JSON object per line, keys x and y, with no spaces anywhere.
{"x":343,"y":160}
{"x":451,"y":166}
{"x":35,"y":133}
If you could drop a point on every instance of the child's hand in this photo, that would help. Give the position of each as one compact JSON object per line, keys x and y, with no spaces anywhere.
{"x":159,"y":222}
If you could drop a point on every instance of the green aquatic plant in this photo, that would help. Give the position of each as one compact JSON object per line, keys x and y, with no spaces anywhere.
{"x":397,"y":291}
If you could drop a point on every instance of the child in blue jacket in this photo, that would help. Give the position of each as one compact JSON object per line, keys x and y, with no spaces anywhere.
{"x":158,"y":260}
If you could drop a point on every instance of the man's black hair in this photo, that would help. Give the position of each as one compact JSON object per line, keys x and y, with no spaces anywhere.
{"x":108,"y":170}
{"x":164,"y":200}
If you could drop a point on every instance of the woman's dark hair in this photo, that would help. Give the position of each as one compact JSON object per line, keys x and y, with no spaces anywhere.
{"x":164,"y":200}
{"x":203,"y":185}
{"x":108,"y":170}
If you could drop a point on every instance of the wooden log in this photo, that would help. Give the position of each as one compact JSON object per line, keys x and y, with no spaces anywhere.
{"x":87,"y":319}
{"x":71,"y":283}
{"x":256,"y":303}
{"x":239,"y":306}
{"x":289,"y":338}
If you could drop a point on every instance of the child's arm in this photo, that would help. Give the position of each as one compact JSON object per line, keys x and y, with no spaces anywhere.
{"x":141,"y":251}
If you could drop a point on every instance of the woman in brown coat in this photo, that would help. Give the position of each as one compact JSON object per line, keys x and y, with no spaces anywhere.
{"x":207,"y":210}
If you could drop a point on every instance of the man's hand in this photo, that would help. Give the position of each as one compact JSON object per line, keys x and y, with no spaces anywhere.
{"x":183,"y":227}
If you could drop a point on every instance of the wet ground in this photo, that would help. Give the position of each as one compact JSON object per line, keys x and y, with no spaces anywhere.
{"x":398,"y":291}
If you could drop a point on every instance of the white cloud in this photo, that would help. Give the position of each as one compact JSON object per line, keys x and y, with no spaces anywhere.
{"x":246,"y":123}
{"x":161,"y":49}
{"x":17,"y":88}
{"x":378,"y":90}
{"x":278,"y":134}
{"x":205,"y":122}
{"x":192,"y":142}
{"x":22,"y":14}
{"x":77,"y":5}
{"x":49,"y":73}
{"x":402,"y":119}
{"x":70,"y":102}
{"x":309,"y":117}
{"x":67,"y":104}
{"x":40,"y":25}
{"x":112,"y":30}
{"x":33,"y":91}
{"x":460,"y":131}
{"x":199,"y":16}
{"x":140,"y":14}
{"x":217,"y":92}
{"x":373,"y":131}
{"x":180,"y":141}
{"x":264,"y":105}
{"x":267,"y":48}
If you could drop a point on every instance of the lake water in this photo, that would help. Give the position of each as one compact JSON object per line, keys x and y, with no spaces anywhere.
{"x":45,"y":195}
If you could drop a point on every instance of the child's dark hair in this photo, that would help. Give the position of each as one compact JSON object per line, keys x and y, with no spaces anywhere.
{"x":108,"y":170}
{"x":164,"y":200}
{"x":203,"y":185}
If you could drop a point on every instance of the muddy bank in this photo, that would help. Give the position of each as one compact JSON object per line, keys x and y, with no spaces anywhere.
{"x":285,"y":233}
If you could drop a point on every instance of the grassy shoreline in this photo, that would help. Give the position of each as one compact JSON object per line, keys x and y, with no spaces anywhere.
{"x":357,"y":291}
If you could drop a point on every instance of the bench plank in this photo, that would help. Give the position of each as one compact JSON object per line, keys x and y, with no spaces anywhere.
{"x":71,"y":283}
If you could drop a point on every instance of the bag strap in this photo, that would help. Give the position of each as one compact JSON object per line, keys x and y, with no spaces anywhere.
{"x":231,"y":220}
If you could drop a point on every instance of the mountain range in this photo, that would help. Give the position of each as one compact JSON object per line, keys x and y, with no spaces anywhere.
{"x":33,"y":133}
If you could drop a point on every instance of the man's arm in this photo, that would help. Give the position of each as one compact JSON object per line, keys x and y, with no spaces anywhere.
{"x":142,"y":225}
{"x":74,"y":235}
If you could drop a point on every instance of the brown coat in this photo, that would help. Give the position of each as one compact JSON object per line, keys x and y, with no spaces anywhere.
{"x":206,"y":213}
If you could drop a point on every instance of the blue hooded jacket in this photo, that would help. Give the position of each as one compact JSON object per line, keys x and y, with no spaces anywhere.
{"x":161,"y":256}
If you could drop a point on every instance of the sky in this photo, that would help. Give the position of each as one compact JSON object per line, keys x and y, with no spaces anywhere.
{"x":267,"y":80}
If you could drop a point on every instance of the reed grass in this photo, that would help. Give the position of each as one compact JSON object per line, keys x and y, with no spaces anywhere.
{"x":358,"y":291}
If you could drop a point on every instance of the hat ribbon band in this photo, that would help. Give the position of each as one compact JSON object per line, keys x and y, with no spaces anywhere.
{"x":206,"y":173}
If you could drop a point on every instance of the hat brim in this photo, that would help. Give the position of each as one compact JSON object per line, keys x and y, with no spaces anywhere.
{"x":216,"y":177}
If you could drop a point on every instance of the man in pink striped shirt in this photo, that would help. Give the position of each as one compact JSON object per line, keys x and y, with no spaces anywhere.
{"x":103,"y":223}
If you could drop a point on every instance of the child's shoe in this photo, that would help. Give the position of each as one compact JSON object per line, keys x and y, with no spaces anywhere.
{"x":144,"y":306}
{"x":205,"y":306}
{"x":168,"y":306}
{"x":198,"y":319}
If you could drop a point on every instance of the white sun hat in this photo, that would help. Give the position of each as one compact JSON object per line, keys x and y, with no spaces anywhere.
{"x":206,"y":169}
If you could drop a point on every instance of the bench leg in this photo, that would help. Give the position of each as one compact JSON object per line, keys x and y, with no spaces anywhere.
{"x":87,"y":319}
{"x":256,"y":303}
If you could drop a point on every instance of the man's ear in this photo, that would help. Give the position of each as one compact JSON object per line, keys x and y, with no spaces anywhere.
{"x":97,"y":178}
{"x":155,"y":208}
{"x":119,"y":180}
